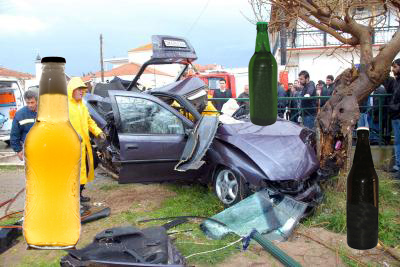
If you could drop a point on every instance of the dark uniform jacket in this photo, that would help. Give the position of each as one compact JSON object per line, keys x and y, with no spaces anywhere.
{"x":22,"y":123}
{"x":219,"y":94}
{"x":392,"y":86}
{"x":309,"y":104}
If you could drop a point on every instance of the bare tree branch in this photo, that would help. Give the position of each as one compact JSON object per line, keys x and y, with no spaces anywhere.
{"x":337,"y":35}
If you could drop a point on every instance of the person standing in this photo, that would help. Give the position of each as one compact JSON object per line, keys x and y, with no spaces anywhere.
{"x":222,"y":92}
{"x":282,"y":104}
{"x":321,"y":90}
{"x":83,"y":123}
{"x":392,"y":86}
{"x":294,"y":104}
{"x":23,"y":122}
{"x":330,"y":86}
{"x":309,"y":105}
{"x":289,"y":91}
{"x":245,"y":94}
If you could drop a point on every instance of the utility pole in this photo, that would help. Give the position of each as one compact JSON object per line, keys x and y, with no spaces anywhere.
{"x":101,"y":58}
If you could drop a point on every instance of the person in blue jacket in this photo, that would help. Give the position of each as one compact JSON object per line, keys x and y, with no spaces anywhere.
{"x":23,"y":122}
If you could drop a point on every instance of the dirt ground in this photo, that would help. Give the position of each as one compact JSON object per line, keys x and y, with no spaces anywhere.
{"x":308,"y":246}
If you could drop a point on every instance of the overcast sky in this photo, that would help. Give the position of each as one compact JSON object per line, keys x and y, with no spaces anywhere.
{"x":217,"y":29}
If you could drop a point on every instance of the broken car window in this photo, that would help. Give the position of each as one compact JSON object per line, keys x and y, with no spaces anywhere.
{"x":143,"y":116}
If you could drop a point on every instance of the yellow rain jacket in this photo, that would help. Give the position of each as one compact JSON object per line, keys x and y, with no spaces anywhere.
{"x":82,"y":123}
{"x":209,"y":110}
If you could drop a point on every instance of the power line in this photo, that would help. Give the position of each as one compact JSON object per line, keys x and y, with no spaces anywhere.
{"x":197,"y":19}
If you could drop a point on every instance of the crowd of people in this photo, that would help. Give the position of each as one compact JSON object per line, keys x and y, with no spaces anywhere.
{"x":288,"y":109}
{"x":304,"y":104}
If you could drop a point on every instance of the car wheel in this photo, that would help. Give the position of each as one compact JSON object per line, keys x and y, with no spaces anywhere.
{"x":229,"y":187}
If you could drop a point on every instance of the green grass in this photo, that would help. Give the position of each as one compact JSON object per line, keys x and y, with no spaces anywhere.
{"x":190,"y":200}
{"x":108,"y":187}
{"x":9,"y":221}
{"x":11,"y":167}
{"x":55,"y":263}
{"x":331,"y":214}
{"x":30,"y":262}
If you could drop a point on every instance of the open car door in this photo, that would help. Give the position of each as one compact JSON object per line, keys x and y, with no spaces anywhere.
{"x":198,"y":143}
{"x":157,"y":143}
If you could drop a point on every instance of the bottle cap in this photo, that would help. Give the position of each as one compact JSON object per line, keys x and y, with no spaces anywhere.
{"x":53,"y":60}
{"x":363,"y":128}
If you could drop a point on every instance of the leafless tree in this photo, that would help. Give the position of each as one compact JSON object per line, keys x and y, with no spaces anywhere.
{"x":342,"y":20}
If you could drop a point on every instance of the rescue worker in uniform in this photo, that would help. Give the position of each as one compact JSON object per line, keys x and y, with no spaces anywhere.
{"x":23,"y":122}
{"x":83,"y":123}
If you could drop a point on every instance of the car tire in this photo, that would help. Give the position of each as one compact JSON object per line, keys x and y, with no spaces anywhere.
{"x":229,"y":187}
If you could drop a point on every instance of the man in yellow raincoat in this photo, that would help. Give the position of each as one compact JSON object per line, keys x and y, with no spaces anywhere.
{"x":82,"y":123}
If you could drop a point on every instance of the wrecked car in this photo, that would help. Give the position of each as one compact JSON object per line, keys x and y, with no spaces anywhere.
{"x":160,"y":135}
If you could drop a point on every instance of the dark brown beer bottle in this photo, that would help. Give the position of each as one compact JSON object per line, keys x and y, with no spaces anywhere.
{"x":362,"y":196}
{"x":263,"y":80}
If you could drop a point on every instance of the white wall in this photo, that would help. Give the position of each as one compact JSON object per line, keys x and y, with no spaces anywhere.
{"x":318,"y":62}
{"x":140,"y":57}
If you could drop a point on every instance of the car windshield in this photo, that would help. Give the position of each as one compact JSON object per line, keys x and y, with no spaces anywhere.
{"x":155,"y":76}
{"x":213,"y":83}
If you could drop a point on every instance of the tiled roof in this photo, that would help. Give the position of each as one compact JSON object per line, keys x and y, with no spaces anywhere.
{"x":13,"y":73}
{"x":201,"y":68}
{"x":145,"y":47}
{"x":126,"y":69}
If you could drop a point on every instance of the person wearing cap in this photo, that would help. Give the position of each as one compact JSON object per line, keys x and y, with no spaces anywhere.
{"x":82,"y":123}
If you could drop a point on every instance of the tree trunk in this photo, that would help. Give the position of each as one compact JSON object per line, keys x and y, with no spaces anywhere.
{"x":338,"y":117}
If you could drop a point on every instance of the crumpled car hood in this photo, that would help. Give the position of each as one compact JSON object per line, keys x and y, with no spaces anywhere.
{"x":277,"y":149}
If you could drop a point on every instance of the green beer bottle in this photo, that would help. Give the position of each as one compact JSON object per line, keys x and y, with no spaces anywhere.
{"x":263,"y":80}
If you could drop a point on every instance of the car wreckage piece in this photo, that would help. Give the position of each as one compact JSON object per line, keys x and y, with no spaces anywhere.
{"x":195,"y":150}
{"x":151,"y":140}
{"x":127,"y":246}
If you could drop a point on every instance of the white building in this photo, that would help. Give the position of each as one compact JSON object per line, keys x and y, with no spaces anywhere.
{"x":320,"y":53}
{"x":22,"y":78}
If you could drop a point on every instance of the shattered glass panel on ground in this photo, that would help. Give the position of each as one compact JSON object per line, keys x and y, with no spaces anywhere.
{"x":272,"y":214}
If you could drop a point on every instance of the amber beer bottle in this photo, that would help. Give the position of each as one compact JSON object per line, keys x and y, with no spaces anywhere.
{"x":52,"y":165}
{"x":263,"y":80}
{"x":362,"y":196}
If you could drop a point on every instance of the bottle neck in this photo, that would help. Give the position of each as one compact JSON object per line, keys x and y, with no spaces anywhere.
{"x":262,"y":41}
{"x":363,"y":151}
{"x":53,"y":99}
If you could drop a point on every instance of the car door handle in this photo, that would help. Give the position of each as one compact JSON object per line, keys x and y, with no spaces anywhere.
{"x":132,"y":146}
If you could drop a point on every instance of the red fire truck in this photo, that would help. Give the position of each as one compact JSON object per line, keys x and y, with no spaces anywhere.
{"x":212,"y":80}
